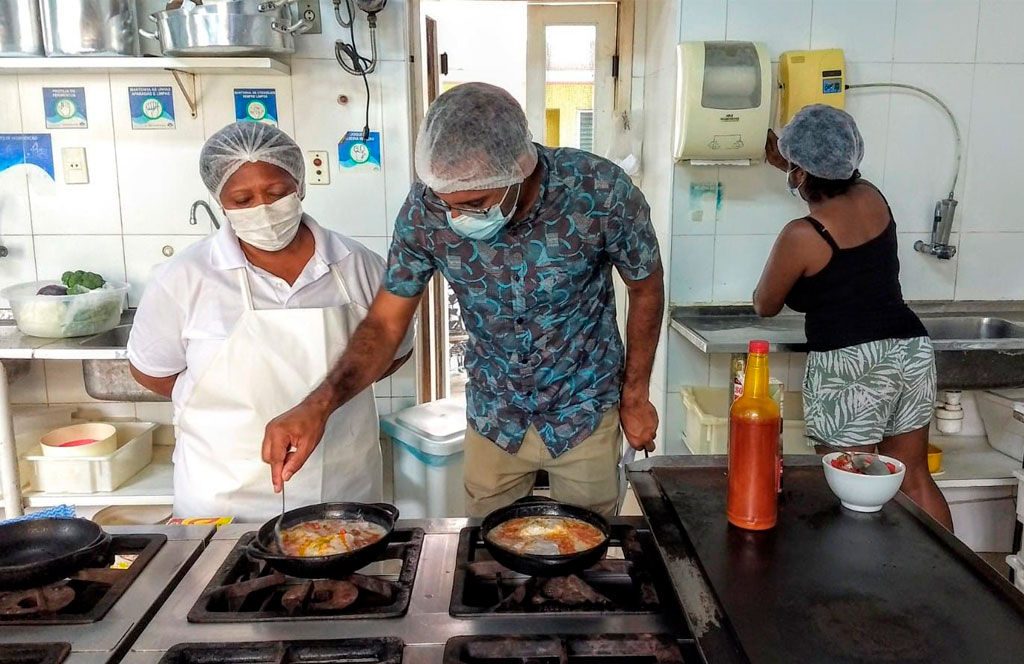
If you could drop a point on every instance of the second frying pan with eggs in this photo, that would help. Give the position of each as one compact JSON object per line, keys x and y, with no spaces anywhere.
{"x":541,"y":537}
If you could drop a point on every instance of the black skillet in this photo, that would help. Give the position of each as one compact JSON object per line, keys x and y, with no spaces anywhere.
{"x":37,"y":552}
{"x":264,"y":545}
{"x":539,"y":565}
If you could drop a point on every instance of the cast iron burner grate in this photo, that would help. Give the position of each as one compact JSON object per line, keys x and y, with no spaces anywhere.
{"x":383,"y":650}
{"x":614,"y":585}
{"x":607,"y":649}
{"x":245,"y":590}
{"x":88,"y":595}
{"x":34,"y":653}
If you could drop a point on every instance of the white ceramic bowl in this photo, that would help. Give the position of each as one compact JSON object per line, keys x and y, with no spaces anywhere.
{"x":55,"y":443}
{"x":863,"y":493}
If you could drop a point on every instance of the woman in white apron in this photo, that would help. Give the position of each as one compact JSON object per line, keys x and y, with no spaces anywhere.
{"x":243,"y":324}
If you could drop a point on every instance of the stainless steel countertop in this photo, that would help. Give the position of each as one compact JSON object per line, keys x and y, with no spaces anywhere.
{"x":729,"y":328}
{"x":17,"y":346}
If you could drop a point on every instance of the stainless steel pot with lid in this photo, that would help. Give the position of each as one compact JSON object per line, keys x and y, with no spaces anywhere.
{"x":240,"y":27}
{"x":21,"y":33}
{"x":89,"y":27}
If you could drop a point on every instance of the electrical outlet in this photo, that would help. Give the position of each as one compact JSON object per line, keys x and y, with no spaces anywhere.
{"x":317,"y":168}
{"x":310,"y":13}
{"x":76,"y":169}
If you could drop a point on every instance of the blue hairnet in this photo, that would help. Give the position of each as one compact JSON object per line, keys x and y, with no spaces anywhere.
{"x":475,"y":136}
{"x":824,"y":141}
{"x":246,"y":142}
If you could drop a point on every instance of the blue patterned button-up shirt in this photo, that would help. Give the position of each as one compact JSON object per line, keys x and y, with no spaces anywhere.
{"x":537,"y":298}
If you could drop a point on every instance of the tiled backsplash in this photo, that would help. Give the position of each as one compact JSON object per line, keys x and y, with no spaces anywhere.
{"x":967,"y":52}
{"x":142,"y":182}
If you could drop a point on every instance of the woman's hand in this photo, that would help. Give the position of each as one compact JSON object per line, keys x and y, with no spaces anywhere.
{"x":772,"y":154}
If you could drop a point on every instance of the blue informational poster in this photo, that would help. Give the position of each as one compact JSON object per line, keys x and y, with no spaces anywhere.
{"x":28,"y":149}
{"x":64,"y":108}
{"x":151,"y":107}
{"x":256,"y":105}
{"x":356,"y":154}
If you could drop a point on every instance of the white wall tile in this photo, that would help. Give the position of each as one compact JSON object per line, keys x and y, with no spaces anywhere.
{"x":984,"y":266}
{"x":398,"y":148}
{"x":15,"y":215}
{"x":936,"y":30}
{"x":755,"y":201}
{"x":392,"y":33}
{"x":55,"y":254}
{"x":353,"y":203}
{"x":999,"y":28}
{"x":10,"y":108}
{"x":383,"y":406}
{"x":702,"y":20}
{"x":97,"y":411}
{"x":720,"y":370}
{"x":403,"y":381}
{"x":155,"y":411}
{"x":30,"y":388}
{"x":863,"y":29}
{"x":995,"y":146}
{"x":157,"y":169}
{"x":690,"y":215}
{"x":687,"y":365}
{"x":738,"y":263}
{"x":870,"y":107}
{"x":144,"y":252}
{"x":782,"y":25}
{"x":924,"y":277}
{"x":65,"y":382}
{"x":20,"y":263}
{"x":921,"y":145}
{"x":797,"y":369}
{"x":692,"y":269}
{"x":217,"y":92}
{"x":59,"y":208}
{"x":662,"y":36}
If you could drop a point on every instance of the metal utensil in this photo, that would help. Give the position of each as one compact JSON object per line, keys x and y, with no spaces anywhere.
{"x":277,"y":524}
{"x":865,"y":462}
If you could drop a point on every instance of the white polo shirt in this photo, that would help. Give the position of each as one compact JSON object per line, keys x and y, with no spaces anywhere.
{"x":193,"y":301}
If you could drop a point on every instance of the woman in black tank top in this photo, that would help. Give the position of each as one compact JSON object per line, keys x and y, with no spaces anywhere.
{"x":870,"y":380}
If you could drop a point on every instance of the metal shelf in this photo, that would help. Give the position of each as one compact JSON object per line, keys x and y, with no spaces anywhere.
{"x":153,"y":485}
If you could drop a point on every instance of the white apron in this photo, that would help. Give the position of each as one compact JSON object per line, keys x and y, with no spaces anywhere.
{"x":270,"y":362}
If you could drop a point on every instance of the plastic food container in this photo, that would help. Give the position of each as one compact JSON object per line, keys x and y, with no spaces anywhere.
{"x":95,"y":473}
{"x":80,"y":440}
{"x":863,"y":493}
{"x":934,"y":459}
{"x":59,"y":316}
{"x":706,"y":421}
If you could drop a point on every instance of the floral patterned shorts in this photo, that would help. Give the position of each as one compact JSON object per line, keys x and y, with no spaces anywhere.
{"x":861,"y":394}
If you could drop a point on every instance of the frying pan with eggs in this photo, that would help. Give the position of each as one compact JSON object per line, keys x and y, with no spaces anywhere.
{"x":546,"y":512}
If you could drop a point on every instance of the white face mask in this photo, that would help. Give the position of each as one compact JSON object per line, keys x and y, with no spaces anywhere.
{"x":268,"y":227}
{"x":793,"y":191}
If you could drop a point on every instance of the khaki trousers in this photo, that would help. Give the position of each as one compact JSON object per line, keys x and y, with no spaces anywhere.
{"x":587,"y":475}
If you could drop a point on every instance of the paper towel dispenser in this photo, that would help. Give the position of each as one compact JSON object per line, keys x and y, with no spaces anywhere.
{"x":723,"y":101}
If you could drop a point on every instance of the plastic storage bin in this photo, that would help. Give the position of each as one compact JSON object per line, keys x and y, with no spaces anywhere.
{"x":1004,"y":432}
{"x":1016,"y":563}
{"x":95,"y":474}
{"x":428,"y":459}
{"x":59,"y":316}
{"x":706,"y":421}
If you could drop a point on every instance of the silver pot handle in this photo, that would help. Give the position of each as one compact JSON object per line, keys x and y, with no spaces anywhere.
{"x":299,"y":27}
{"x":148,"y":35}
{"x":269,"y":6}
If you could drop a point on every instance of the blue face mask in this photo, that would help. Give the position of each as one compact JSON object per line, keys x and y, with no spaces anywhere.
{"x":484,"y":224}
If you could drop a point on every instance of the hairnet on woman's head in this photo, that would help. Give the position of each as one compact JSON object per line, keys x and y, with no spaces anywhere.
{"x":247,"y":142}
{"x":824,"y":141}
{"x":475,"y":136}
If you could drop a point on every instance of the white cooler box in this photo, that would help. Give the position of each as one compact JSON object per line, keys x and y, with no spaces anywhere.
{"x":426,"y":443}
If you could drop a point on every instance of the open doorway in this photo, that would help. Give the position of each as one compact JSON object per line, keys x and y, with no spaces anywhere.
{"x":567,"y":63}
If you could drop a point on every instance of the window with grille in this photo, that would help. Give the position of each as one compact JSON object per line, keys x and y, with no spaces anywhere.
{"x":586,"y":130}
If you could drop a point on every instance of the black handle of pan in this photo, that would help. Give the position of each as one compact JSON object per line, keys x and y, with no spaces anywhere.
{"x":390,"y":509}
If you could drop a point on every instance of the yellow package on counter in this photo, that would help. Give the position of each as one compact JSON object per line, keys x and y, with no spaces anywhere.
{"x":201,"y":521}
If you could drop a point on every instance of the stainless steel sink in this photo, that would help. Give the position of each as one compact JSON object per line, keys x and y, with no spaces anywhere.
{"x":111,"y":380}
{"x":972,"y":328}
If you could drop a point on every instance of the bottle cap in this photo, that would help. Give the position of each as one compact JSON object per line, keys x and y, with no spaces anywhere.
{"x":758,"y":346}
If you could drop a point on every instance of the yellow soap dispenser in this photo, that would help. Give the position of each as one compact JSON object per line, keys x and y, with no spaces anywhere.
{"x":810,"y":77}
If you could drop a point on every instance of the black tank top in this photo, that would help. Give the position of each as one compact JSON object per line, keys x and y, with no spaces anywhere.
{"x":856,"y":297}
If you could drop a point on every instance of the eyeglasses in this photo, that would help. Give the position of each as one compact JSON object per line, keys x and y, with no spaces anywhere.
{"x":475,"y":213}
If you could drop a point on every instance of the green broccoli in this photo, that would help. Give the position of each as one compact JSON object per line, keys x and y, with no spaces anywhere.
{"x":79,"y":281}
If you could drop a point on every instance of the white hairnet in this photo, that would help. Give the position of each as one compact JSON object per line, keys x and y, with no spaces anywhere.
{"x":245,"y":142}
{"x":475,"y":136}
{"x":824,"y":141}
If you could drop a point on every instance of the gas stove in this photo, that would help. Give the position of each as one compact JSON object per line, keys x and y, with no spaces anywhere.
{"x":99,"y":611}
{"x":461,"y":607}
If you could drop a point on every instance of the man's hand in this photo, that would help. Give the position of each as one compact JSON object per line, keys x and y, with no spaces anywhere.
{"x":639,"y":420}
{"x":772,"y":154}
{"x":290,"y":439}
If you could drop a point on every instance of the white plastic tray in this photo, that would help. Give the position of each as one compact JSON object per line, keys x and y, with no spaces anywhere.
{"x":94,"y":474}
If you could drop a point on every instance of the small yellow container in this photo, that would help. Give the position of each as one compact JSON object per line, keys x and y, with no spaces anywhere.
{"x":934,"y":459}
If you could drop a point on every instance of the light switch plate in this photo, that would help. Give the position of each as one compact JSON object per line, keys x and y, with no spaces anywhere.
{"x":317,"y":167}
{"x":310,"y":12}
{"x":76,"y":169}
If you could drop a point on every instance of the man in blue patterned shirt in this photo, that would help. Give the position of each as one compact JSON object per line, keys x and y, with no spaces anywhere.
{"x":527,"y":236}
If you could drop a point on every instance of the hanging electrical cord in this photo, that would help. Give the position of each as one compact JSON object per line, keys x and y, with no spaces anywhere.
{"x":942,"y":105}
{"x":347,"y":54}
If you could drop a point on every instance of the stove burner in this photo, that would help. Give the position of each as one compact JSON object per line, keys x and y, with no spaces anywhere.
{"x":618,"y":648}
{"x":383,"y":650}
{"x":87,"y":596}
{"x":614,"y":585}
{"x":246,"y":590}
{"x":34,"y":653}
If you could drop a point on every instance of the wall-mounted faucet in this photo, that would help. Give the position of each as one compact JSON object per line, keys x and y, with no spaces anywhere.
{"x":202,"y":204}
{"x":942,"y":225}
